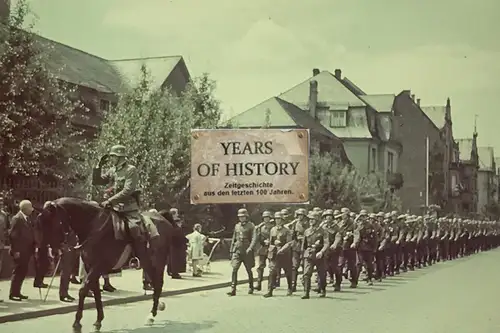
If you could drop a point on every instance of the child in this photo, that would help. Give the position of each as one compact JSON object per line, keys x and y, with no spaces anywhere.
{"x":195,"y":248}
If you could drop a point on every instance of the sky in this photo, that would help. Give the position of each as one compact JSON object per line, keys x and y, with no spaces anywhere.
{"x":260,"y":48}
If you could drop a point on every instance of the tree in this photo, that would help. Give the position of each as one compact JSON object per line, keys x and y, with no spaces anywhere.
{"x":35,"y":107}
{"x":155,"y":127}
{"x":332,"y":184}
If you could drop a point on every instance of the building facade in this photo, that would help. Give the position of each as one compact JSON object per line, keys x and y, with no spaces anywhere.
{"x":468,"y":168}
{"x":487,"y":185}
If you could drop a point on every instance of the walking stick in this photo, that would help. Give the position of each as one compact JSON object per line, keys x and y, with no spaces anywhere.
{"x":52,"y":279}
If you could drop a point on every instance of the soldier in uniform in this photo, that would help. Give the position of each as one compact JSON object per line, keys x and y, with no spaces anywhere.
{"x":125,"y":198}
{"x":383,"y":236}
{"x":242,"y":250}
{"x":314,"y":247}
{"x":335,"y":251}
{"x":350,"y":236}
{"x":367,"y":245}
{"x":263,"y":231}
{"x":279,"y":254}
{"x":298,"y":227}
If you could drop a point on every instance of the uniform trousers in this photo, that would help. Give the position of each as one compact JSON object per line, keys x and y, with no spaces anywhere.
{"x":237,"y":259}
{"x":19,"y":272}
{"x":280,"y":262}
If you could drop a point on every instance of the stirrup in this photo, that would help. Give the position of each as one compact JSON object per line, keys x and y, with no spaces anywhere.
{"x":135,"y":263}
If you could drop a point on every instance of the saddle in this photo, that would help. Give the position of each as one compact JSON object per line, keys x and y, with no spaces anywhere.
{"x":121,"y":226}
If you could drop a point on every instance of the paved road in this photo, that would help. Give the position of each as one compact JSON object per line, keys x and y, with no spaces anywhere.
{"x":454,"y":297}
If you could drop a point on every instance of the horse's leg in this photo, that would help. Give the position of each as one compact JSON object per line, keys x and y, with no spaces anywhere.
{"x":98,"y":305}
{"x":84,"y":290}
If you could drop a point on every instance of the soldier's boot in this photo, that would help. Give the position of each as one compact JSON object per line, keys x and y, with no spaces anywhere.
{"x":250,"y":283}
{"x":234,"y":282}
{"x":260,"y":277}
{"x":338,"y":281}
{"x":270,"y":286}
{"x":294,"y":280}
{"x":307,"y":288}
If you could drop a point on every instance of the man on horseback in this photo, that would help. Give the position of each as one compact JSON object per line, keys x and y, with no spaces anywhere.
{"x":125,"y":194}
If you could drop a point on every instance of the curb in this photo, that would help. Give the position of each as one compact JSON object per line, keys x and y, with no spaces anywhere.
{"x":118,"y":301}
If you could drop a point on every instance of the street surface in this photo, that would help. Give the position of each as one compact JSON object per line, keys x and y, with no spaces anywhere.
{"x":460,"y":296}
{"x":128,"y":285}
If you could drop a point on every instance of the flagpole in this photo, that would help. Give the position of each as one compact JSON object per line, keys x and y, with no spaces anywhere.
{"x":427,"y":172}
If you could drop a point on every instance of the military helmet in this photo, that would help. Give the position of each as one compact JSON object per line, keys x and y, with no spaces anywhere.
{"x":278,"y":215}
{"x":266,"y":213}
{"x":328,"y":212}
{"x":242,"y":212}
{"x":312,"y":215}
{"x":118,"y":150}
{"x":301,"y":211}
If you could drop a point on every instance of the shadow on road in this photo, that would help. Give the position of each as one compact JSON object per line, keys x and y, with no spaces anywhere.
{"x":169,"y":326}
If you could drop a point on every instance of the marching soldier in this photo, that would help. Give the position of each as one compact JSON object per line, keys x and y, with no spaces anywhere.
{"x":297,"y":227}
{"x":314,"y":247}
{"x":350,"y":236}
{"x":383,"y":236}
{"x":279,"y":254}
{"x":367,"y":245}
{"x":242,"y":250}
{"x":263,"y":231}
{"x":335,"y":251}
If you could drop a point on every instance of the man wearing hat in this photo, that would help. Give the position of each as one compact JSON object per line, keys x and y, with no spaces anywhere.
{"x":335,"y":240}
{"x":298,"y":227}
{"x":242,"y":250}
{"x":124,"y":196}
{"x":262,"y":233}
{"x":350,"y":237}
{"x":314,"y":247}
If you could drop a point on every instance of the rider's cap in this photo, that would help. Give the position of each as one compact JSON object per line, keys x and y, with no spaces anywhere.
{"x":118,"y":150}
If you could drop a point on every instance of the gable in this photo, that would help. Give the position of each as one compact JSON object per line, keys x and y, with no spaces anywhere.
{"x":436,"y":114}
{"x":486,"y":158}
{"x":256,"y":116}
{"x":331,"y":92}
{"x":159,"y":68}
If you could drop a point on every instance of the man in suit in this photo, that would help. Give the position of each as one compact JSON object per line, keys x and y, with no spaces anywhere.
{"x":22,"y":240}
{"x":42,"y":261}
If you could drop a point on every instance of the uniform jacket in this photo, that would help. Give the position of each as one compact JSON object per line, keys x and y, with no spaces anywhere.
{"x":262,"y":233}
{"x":280,"y":238}
{"x":125,"y":178}
{"x":244,"y":238}
{"x":315,"y":240}
{"x":334,"y":237}
{"x":298,"y":229}
{"x":196,"y":245}
{"x":368,"y":238}
{"x":22,"y":235}
{"x":351,"y":235}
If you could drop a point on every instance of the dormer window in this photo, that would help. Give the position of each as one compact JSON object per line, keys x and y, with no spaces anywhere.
{"x":338,"y":119}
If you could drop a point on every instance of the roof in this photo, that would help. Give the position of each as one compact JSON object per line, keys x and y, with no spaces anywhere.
{"x":78,"y":67}
{"x":381,"y":102}
{"x":281,"y":113}
{"x":486,"y":158}
{"x":159,"y":69}
{"x":465,"y":148}
{"x":331,"y":92}
{"x":352,"y":86}
{"x":436,"y":113}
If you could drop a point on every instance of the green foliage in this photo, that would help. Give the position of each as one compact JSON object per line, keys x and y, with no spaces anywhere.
{"x":332,"y":184}
{"x":155,"y":127}
{"x":35,"y":108}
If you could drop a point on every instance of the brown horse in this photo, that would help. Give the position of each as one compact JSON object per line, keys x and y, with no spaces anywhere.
{"x":102,"y":252}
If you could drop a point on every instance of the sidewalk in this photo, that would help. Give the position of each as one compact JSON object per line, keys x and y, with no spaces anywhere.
{"x":129,"y":289}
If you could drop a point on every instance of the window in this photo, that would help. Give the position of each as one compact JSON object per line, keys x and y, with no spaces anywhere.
{"x":338,"y":119}
{"x":390,"y":162}
{"x":104,"y":105}
{"x":374,"y":160}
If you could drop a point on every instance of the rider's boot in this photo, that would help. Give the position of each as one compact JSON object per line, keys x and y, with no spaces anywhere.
{"x":107,"y":285}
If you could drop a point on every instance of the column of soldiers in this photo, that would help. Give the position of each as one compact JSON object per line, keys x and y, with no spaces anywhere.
{"x":340,"y":244}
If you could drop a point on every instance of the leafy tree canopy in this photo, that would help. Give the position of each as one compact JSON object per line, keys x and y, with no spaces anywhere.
{"x":155,"y":126}
{"x":35,"y":108}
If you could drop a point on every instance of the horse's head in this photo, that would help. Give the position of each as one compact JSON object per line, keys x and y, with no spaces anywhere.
{"x":64,"y":215}
{"x":51,"y":225}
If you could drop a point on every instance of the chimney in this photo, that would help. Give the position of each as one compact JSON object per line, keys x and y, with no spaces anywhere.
{"x":338,"y":74}
{"x":315,"y":71}
{"x":418,"y":101}
{"x":4,"y":10}
{"x":313,"y":98}
{"x":413,"y":97}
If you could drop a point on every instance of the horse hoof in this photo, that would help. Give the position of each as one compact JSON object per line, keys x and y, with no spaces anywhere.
{"x":97,"y":327}
{"x":150,"y":320}
{"x":77,"y":328}
{"x":162,"y":306}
